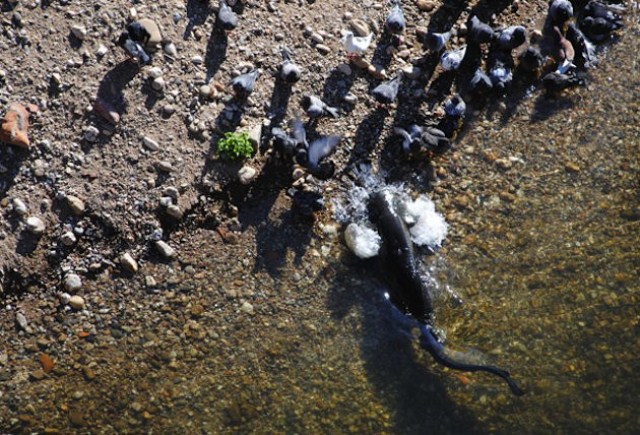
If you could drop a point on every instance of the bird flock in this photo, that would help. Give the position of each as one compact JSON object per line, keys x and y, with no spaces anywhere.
{"x":484,"y":67}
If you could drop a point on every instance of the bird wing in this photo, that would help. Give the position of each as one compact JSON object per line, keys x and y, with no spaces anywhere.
{"x":321,"y":148}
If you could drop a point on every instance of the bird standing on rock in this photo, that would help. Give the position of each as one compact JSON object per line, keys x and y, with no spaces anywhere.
{"x":387,"y":92}
{"x":289,"y":70}
{"x":316,"y":108}
{"x":356,"y":45}
{"x":244,"y":84}
{"x":227,"y":19}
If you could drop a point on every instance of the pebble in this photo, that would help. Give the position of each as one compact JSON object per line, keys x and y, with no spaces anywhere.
{"x":205,"y":91}
{"x":19,"y":206}
{"x":360,"y":28}
{"x":155,"y":72}
{"x":164,"y":166}
{"x":91,"y":134}
{"x":317,"y":38}
{"x":68,"y":238}
{"x":426,"y":5}
{"x":72,"y":282}
{"x":170,"y":49}
{"x":35,"y":225}
{"x":105,"y":110}
{"x":158,"y":84}
{"x":155,"y":36}
{"x":165,"y":250}
{"x":75,"y":204}
{"x":150,"y":143}
{"x":76,"y":302}
{"x":174,"y":211}
{"x":255,"y":134}
{"x":21,"y":320}
{"x":323,"y":49}
{"x":197,"y":60}
{"x":101,"y":51}
{"x":15,"y":126}
{"x":79,"y":31}
{"x":350,"y":98}
{"x":128,"y":263}
{"x":247,"y":308}
{"x":247,"y":174}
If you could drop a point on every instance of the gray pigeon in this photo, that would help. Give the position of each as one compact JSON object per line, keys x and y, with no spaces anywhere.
{"x":410,"y":137}
{"x":435,"y":42}
{"x":318,"y":150}
{"x":395,"y":23}
{"x":317,"y":108}
{"x":289,"y":70}
{"x":133,"y":48}
{"x":480,"y":84}
{"x":387,"y":92}
{"x":479,"y":32}
{"x":555,"y":82}
{"x":510,"y":38}
{"x":434,"y":139}
{"x":560,"y":11}
{"x":227,"y":19}
{"x":244,"y":84}
{"x":455,"y":107}
{"x":288,"y":144}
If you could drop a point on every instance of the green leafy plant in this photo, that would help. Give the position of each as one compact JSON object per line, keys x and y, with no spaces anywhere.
{"x":235,"y":146}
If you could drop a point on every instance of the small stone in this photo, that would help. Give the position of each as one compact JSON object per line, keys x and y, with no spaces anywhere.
{"x":155,"y":72}
{"x":317,"y":38}
{"x":105,"y":110}
{"x":168,"y":109}
{"x":19,"y":206}
{"x":247,"y":308}
{"x":158,"y":84}
{"x":68,"y":238}
{"x":572,"y":167}
{"x":426,"y":5}
{"x":79,"y":31}
{"x":165,"y":250}
{"x":344,"y":69}
{"x":247,"y":174}
{"x":323,"y":49}
{"x":205,"y":91}
{"x":101,"y":51}
{"x":150,"y":143}
{"x":359,"y":27}
{"x":255,"y":134}
{"x":37,"y":375}
{"x":297,"y":173}
{"x":128,"y":263}
{"x":350,"y":98}
{"x":149,"y":281}
{"x":91,"y":134}
{"x":155,"y":36}
{"x":76,"y":302}
{"x":21,"y":320}
{"x":170,"y":49}
{"x":164,"y":166}
{"x":174,"y":211}
{"x":35,"y":225}
{"x":197,"y":60}
{"x":72,"y":282}
{"x":75,"y":204}
{"x":15,"y":126}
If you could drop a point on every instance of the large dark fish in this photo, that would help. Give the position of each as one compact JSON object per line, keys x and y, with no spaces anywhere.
{"x":410,"y":295}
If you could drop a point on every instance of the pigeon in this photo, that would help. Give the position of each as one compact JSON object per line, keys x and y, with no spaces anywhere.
{"x":395,"y":23}
{"x":244,"y":84}
{"x":317,"y":108}
{"x":387,"y":92}
{"x":288,"y":144}
{"x":560,"y":11}
{"x":596,"y":9}
{"x":500,"y":71}
{"x":480,"y":84}
{"x":455,"y":107}
{"x":564,"y":53}
{"x":289,"y":70}
{"x":133,"y":48}
{"x":451,"y":60}
{"x":555,"y":82}
{"x":318,"y":150}
{"x":531,"y":60}
{"x":479,"y":32}
{"x":510,"y":38}
{"x":435,"y":42}
{"x":434,"y":139}
{"x":599,"y":29}
{"x":227,"y":19}
{"x":356,"y":45}
{"x":138,"y":33}
{"x":410,"y":137}
{"x":585,"y":52}
{"x":299,"y":133}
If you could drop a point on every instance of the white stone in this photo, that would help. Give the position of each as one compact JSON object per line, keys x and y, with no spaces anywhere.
{"x":68,"y":238}
{"x":19,"y":206}
{"x":171,"y":49}
{"x":247,"y":174}
{"x":102,"y":50}
{"x":79,"y":31}
{"x":35,"y":225}
{"x":155,"y":72}
{"x":150,"y":143}
{"x":363,"y":241}
{"x":165,"y":250}
{"x":247,"y":308}
{"x":128,"y":263}
{"x":158,"y":84}
{"x":91,"y":133}
{"x":72,"y":282}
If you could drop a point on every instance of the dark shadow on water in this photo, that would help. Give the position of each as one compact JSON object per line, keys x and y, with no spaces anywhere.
{"x":395,"y":368}
{"x":546,"y":106}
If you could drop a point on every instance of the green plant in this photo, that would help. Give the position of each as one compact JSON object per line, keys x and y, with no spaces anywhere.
{"x":235,"y":146}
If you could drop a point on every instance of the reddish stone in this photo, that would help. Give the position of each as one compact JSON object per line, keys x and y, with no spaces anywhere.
{"x":15,"y":125}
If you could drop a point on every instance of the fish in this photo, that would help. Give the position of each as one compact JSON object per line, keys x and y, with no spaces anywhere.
{"x":410,"y":295}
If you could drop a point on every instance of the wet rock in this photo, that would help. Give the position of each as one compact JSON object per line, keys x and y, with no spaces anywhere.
{"x":15,"y":126}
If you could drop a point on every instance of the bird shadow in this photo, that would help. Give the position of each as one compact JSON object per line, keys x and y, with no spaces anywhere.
{"x":382,"y":55}
{"x":417,"y":397}
{"x":216,"y":52}
{"x":486,"y":9}
{"x":11,"y":159}
{"x":446,"y":15}
{"x":112,"y":85}
{"x":547,"y":105}
{"x":367,"y":135}
{"x":197,"y":13}
{"x":337,"y":86}
{"x":279,"y":101}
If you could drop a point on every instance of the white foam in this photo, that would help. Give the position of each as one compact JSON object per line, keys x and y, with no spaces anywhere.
{"x":428,"y":227}
{"x":362,"y":240}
